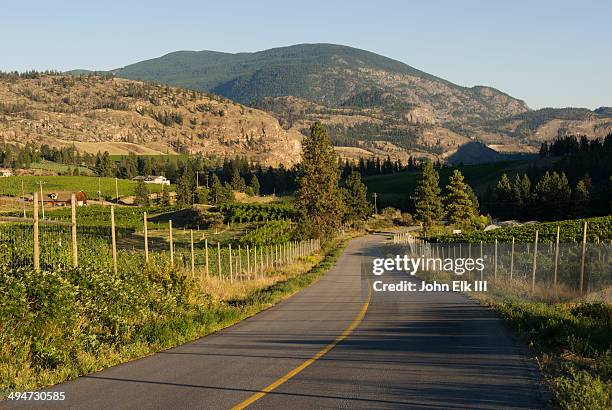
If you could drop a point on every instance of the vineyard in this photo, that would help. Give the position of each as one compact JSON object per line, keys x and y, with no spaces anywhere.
{"x":256,"y":212}
{"x":99,"y":216}
{"x":271,"y":232}
{"x":599,"y":229}
{"x":12,"y":186}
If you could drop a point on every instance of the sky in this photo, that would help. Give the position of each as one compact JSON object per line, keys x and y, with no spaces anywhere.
{"x":548,"y":53}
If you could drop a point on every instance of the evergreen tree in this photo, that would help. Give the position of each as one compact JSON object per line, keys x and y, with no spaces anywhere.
{"x":503,"y":195}
{"x":104,"y":167}
{"x":427,"y":202}
{"x":165,"y":199}
{"x":318,"y":198}
{"x":582,"y":198}
{"x":460,"y":206}
{"x":254,"y":185}
{"x":216,"y":190}
{"x":237,"y":182}
{"x":355,"y":197}
{"x":184,"y":191}
{"x":141,"y":193}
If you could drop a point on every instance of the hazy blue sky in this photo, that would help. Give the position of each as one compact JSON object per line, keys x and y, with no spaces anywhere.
{"x":549,"y":53}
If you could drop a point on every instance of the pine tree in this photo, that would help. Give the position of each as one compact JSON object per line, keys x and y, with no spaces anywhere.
{"x":237,"y":182}
{"x":141,"y":193}
{"x":165,"y":199}
{"x":427,"y":202}
{"x":503,"y":195}
{"x":184,"y":191}
{"x":216,"y":190}
{"x":460,"y":206}
{"x":582,"y":198}
{"x":319,"y":202}
{"x":254,"y":185}
{"x":355,"y":197}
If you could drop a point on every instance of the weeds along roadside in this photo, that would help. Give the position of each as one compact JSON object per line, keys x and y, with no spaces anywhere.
{"x":55,"y":326}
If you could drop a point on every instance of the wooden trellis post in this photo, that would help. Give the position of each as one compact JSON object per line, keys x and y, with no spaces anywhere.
{"x":75,"y":255}
{"x":248,"y":260}
{"x":231,"y":270}
{"x":535,"y":260}
{"x":255,"y":261}
{"x":512,"y":259}
{"x":261,"y":260}
{"x":556,"y":257}
{"x":239,"y":260}
{"x":482,"y":271}
{"x":36,"y":245}
{"x":495,"y":260}
{"x":206,"y":257}
{"x":219,"y":271}
{"x":146,"y":236}
{"x":171,"y":242}
{"x":113,"y":239}
{"x":192,"y":256}
{"x":582,"y":257}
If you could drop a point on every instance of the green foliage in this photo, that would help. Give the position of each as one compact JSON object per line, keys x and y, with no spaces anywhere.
{"x":141,"y":193}
{"x":61,"y":323}
{"x":563,"y":332}
{"x":318,"y":198}
{"x":599,"y":228}
{"x":460,"y":206}
{"x":270,"y":233}
{"x":427,"y":200}
{"x":358,"y":209}
{"x":241,"y":213}
{"x":12,"y":186}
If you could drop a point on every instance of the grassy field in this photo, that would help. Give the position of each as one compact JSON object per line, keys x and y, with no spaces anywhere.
{"x":60,"y":168}
{"x":394,"y":189}
{"x":11,"y":186}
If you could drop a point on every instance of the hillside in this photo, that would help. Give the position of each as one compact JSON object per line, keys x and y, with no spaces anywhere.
{"x":368,"y":100}
{"x":363,"y":97}
{"x":98,"y":113}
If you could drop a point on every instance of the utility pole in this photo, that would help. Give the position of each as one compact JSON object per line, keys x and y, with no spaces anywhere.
{"x":42,"y":200}
{"x":197,"y":180}
{"x":375,"y":195}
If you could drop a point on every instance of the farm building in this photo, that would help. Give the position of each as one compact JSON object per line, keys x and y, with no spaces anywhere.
{"x":153,"y":179}
{"x":63,"y":198}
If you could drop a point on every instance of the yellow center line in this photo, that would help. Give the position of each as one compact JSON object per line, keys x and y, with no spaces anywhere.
{"x":252,"y":399}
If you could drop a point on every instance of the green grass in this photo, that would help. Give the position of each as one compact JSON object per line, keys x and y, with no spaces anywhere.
{"x":572,"y":343}
{"x":394,"y":189}
{"x":11,"y":186}
{"x":58,"y":325}
{"x":59,"y":168}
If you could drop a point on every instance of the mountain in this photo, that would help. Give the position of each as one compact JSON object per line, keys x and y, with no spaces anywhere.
{"x":392,"y":101}
{"x":324,"y":73}
{"x":367,"y":101}
{"x":97,"y":113}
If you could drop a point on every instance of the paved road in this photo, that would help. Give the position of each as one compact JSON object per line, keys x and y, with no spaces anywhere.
{"x":435,"y":350}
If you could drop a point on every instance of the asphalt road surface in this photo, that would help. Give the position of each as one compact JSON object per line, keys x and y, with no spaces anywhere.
{"x":327,"y":347}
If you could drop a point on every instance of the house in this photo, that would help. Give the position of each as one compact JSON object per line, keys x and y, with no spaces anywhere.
{"x":153,"y":179}
{"x":5,"y":172}
{"x":63,"y":198}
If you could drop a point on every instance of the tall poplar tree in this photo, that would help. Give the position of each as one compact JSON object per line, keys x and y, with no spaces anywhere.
{"x":427,"y":201}
{"x":319,"y":202}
